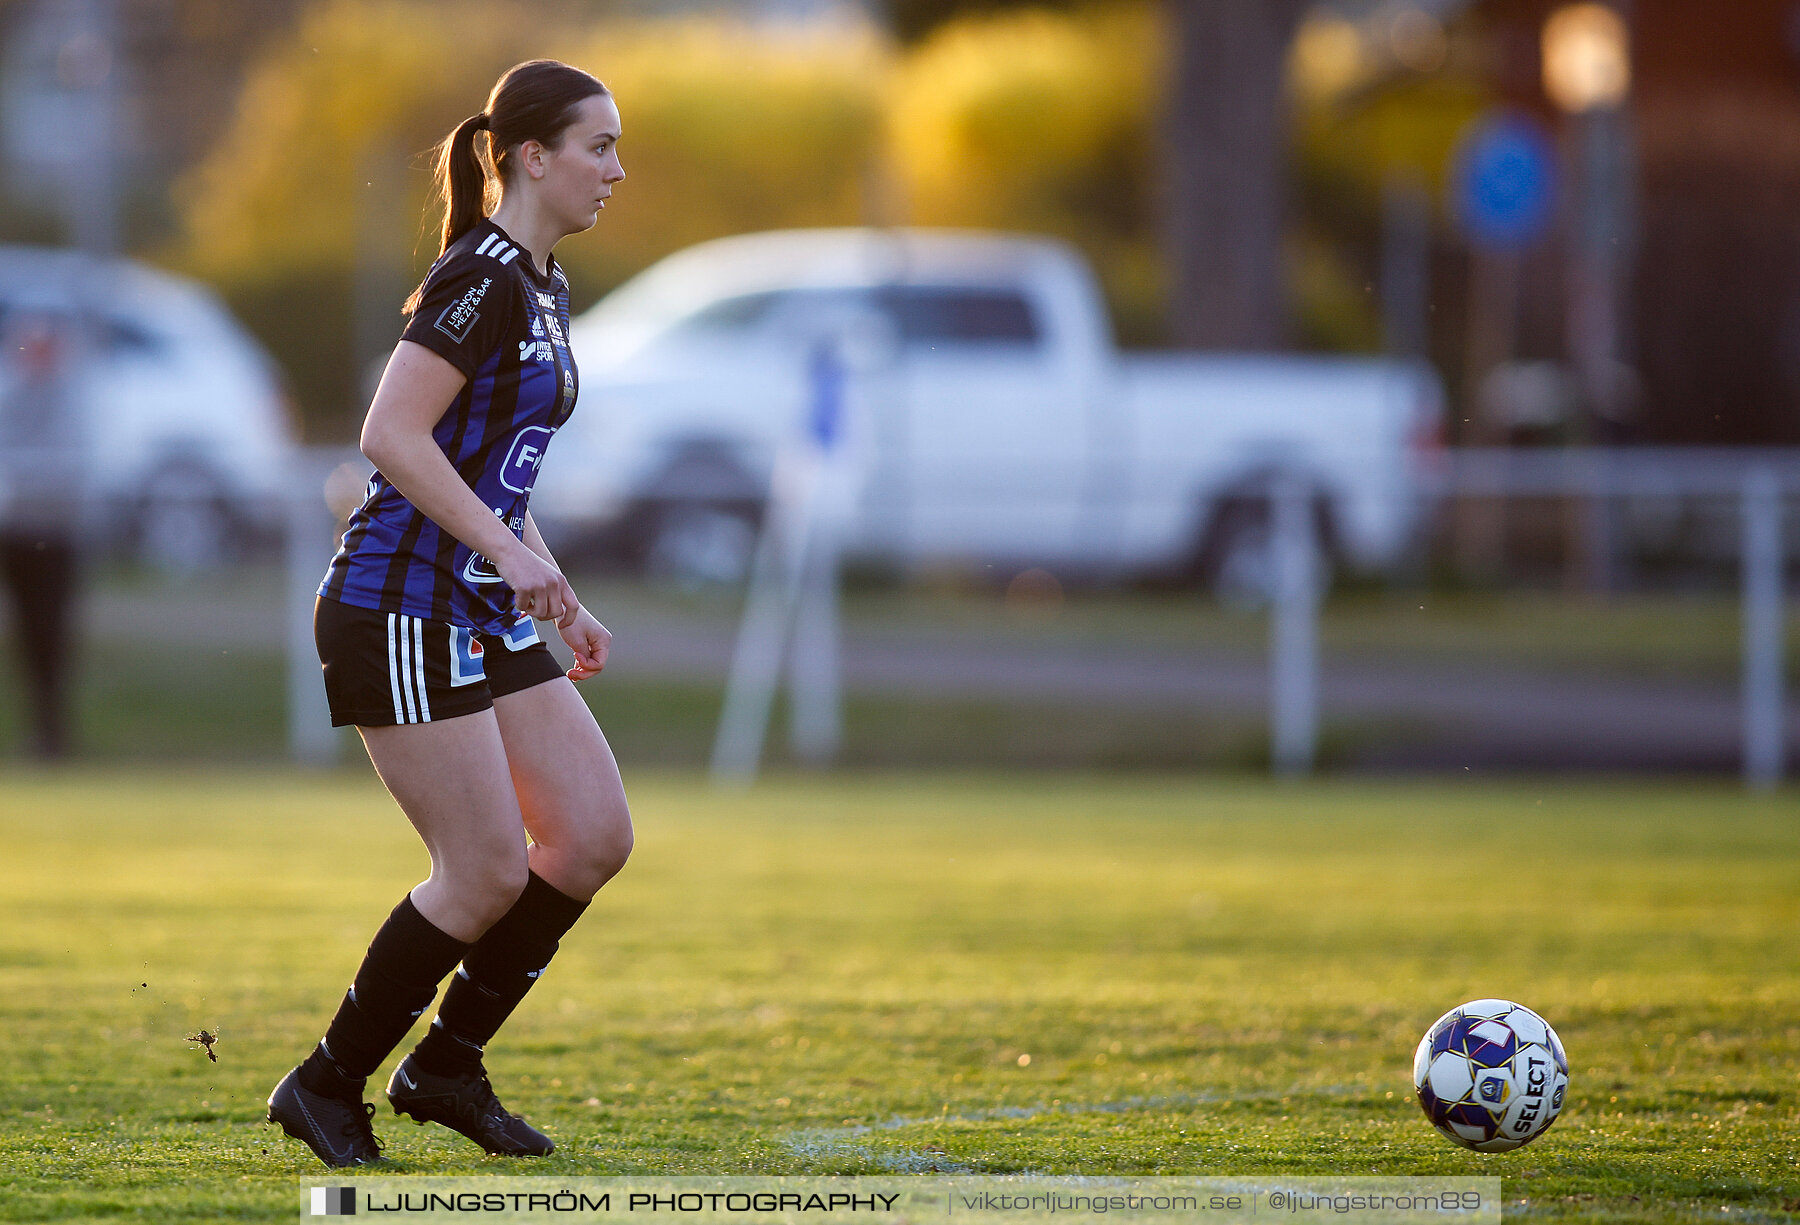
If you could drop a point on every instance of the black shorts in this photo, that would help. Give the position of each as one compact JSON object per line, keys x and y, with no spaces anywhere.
{"x":384,"y":668}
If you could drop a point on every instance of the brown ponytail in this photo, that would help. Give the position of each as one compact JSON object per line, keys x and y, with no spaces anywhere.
{"x":535,"y":100}
{"x":464,"y":180}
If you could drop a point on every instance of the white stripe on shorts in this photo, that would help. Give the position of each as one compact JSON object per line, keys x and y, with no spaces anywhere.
{"x":394,"y":673}
{"x":406,"y":669}
{"x":418,"y":649}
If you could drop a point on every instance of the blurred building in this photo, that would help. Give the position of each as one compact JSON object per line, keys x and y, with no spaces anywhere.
{"x":1711,"y":311}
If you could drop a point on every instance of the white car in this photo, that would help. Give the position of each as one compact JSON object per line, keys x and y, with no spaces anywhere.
{"x":989,"y":416}
{"x":188,"y":433}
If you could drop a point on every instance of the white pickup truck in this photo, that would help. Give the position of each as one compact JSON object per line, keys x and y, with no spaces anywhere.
{"x":987,"y":415}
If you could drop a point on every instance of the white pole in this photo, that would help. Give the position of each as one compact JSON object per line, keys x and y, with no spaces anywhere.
{"x":762,"y":634}
{"x":310,"y":527}
{"x":1764,"y":632}
{"x":1294,"y":638}
{"x":815,"y":680}
{"x":794,"y":585}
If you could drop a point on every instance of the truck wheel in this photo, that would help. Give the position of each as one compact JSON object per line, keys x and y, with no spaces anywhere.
{"x":696,"y":545}
{"x":1237,"y":561}
{"x":181,"y":523}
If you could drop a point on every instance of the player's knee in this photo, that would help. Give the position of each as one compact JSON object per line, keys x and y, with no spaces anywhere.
{"x":600,"y":849}
{"x":488,"y":886}
{"x":614,"y":848}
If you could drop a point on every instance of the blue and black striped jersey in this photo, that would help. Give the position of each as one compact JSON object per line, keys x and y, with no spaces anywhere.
{"x":489,"y":312}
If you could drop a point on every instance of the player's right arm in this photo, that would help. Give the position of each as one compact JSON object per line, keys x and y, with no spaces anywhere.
{"x":416,"y":389}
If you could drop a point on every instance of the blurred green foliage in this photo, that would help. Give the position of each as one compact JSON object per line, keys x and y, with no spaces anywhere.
{"x":913,"y":20}
{"x":1349,"y":144}
{"x":314,"y":214}
{"x":1045,"y":122}
{"x":730,"y":129}
{"x":320,"y":198}
{"x":312,"y":179}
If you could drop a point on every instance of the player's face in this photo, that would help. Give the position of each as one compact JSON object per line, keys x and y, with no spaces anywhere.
{"x":581,"y":172}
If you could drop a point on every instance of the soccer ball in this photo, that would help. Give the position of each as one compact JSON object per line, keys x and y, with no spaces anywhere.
{"x":1491,"y":1075}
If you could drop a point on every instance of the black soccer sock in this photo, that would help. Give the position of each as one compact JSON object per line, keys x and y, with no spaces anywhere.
{"x":495,"y":975}
{"x":407,"y":959}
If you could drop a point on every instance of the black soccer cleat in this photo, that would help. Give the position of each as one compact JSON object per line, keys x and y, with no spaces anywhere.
{"x":339,"y":1131}
{"x":466,"y":1104}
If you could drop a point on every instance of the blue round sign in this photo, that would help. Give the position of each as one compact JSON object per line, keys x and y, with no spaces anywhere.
{"x":1505,"y":182}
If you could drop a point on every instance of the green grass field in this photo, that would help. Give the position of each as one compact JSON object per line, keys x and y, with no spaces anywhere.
{"x":919,"y":974}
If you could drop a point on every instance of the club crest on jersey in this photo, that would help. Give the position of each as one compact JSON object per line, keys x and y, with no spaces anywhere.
{"x":526,"y":455}
{"x":465,"y":656}
{"x":461,"y":314}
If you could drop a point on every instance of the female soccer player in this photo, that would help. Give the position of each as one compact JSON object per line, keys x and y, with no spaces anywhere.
{"x":425,"y":628}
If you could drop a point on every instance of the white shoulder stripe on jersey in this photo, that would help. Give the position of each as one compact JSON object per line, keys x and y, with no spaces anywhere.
{"x":485,"y":243}
{"x":511,"y":255}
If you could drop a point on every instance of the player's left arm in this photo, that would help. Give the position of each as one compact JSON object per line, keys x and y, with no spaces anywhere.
{"x":585,"y":635}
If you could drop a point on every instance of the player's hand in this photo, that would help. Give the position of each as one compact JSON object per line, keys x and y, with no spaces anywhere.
{"x":589,"y":640}
{"x":539,"y":589}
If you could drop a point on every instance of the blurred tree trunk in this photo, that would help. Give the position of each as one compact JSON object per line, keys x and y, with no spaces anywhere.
{"x":1227,"y":154}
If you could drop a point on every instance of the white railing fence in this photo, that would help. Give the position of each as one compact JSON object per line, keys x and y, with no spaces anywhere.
{"x":1592,"y":481}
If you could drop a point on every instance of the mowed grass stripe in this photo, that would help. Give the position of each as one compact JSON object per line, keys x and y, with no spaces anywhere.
{"x":981,"y":973}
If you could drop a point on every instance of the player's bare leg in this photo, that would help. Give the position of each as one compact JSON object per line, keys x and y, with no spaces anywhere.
{"x":451,"y":780}
{"x":567,"y":782}
{"x":572,"y":802}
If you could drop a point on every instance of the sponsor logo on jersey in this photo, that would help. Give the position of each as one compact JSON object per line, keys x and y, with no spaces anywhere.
{"x":465,"y":656}
{"x":544,"y":319}
{"x":461,"y":314}
{"x":536,"y":350}
{"x":523,"y":459}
